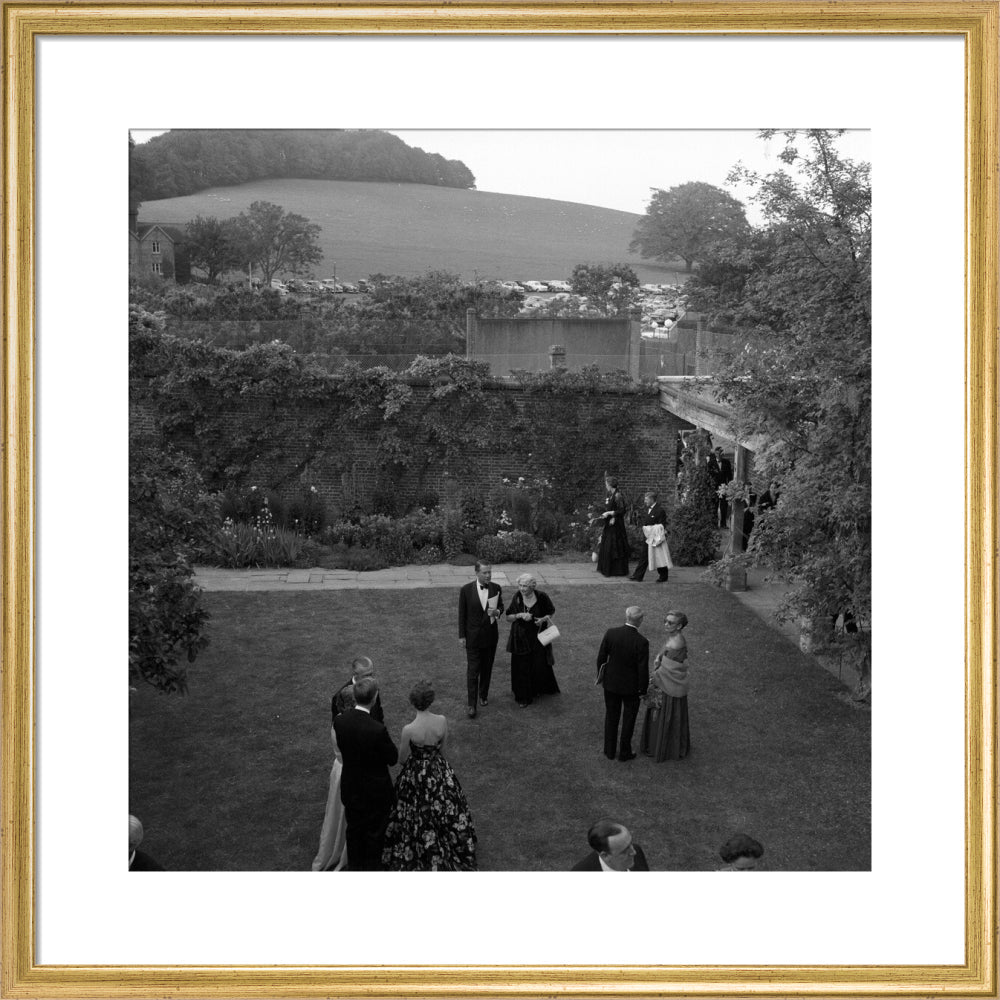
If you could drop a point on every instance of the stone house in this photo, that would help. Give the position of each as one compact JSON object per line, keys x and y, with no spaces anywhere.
{"x":157,"y":248}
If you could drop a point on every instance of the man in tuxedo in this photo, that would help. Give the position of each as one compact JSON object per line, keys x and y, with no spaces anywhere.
{"x":612,"y":850}
{"x":365,"y":786}
{"x":478,"y":632}
{"x":625,"y":654}
{"x":361,"y":666}
{"x":653,"y":514}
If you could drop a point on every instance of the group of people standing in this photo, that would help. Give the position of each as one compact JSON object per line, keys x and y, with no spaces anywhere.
{"x":419,"y":822}
{"x":612,"y":553}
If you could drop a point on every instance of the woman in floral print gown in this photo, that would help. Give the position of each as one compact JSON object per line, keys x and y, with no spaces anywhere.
{"x":430,"y":829}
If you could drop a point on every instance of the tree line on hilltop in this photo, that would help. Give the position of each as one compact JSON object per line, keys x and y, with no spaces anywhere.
{"x":184,"y":161}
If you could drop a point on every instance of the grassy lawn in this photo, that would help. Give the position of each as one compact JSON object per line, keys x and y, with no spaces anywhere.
{"x":234,"y":776}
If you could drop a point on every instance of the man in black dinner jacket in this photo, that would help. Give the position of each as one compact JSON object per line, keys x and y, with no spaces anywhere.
{"x":653,"y":513}
{"x":612,"y":850}
{"x":626,"y":678}
{"x":478,"y":632}
{"x":365,"y":786}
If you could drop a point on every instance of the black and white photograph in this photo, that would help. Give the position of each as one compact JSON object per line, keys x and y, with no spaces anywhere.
{"x":500,"y":500}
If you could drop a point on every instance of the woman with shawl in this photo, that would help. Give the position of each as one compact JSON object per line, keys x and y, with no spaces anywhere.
{"x":665,"y":733}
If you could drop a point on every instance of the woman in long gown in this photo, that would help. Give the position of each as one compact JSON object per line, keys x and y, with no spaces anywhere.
{"x":430,"y":829}
{"x":612,"y":552}
{"x":531,"y":663}
{"x":665,"y":732}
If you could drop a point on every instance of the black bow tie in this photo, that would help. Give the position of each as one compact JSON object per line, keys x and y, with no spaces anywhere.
{"x":484,"y":586}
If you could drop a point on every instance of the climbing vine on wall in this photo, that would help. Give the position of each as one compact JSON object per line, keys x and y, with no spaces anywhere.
{"x":269,"y":407}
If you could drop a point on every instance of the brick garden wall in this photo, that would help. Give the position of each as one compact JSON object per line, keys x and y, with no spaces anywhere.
{"x":348,"y":473}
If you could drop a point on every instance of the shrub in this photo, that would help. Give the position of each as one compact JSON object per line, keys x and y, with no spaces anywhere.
{"x":425,"y":527}
{"x":452,"y":536}
{"x":693,"y":537}
{"x":520,"y":547}
{"x":429,"y":555}
{"x":395,"y":545}
{"x":363,"y":560}
{"x":491,"y":549}
{"x":428,"y":500}
{"x":309,"y":555}
{"x":306,"y":513}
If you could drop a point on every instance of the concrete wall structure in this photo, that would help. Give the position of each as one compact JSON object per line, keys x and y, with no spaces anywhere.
{"x":611,"y":343}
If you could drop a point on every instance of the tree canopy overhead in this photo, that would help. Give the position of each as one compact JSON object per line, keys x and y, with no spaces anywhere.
{"x":686,"y":221}
{"x":184,"y":161}
{"x":796,"y":292}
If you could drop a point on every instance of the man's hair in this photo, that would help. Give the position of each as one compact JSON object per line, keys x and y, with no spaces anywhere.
{"x":480,"y":563}
{"x":422,"y":695}
{"x":653,"y":494}
{"x":633,"y":613}
{"x":601,"y":832}
{"x":134,"y":832}
{"x":612,"y":481}
{"x":362,"y":666}
{"x":740,"y":846}
{"x":365,"y":690}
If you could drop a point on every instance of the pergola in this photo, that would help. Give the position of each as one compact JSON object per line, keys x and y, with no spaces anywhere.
{"x":692,"y":398}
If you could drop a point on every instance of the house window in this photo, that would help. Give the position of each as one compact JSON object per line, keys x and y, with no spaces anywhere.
{"x":156,"y":267}
{"x":156,"y":246}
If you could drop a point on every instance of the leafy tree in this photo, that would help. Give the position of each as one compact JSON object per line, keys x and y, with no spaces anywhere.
{"x":275,"y":240}
{"x":686,"y":221}
{"x":211,"y":247}
{"x":797,"y":294}
{"x":170,"y":516}
{"x":611,"y":288}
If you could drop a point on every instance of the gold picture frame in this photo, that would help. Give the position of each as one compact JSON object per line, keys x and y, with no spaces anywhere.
{"x":976,"y":23}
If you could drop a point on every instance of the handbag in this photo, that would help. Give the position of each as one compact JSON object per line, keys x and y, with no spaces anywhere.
{"x":548,"y":635}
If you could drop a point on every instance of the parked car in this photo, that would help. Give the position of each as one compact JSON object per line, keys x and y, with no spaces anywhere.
{"x":511,"y":286}
{"x":350,"y":288}
{"x":535,"y":286}
{"x":559,"y":286}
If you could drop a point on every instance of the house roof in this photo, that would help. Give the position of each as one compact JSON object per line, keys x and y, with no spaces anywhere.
{"x":173,"y":233}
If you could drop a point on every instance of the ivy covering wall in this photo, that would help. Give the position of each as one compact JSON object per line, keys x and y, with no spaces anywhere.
{"x":273,"y":417}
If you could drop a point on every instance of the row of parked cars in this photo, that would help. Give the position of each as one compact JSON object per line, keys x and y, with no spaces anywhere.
{"x":327,"y":286}
{"x":537,"y":286}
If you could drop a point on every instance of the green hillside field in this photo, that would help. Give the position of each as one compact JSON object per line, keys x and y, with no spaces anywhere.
{"x":408,"y":229}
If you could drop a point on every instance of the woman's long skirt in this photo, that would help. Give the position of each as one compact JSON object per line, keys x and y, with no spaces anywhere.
{"x":665,"y":732}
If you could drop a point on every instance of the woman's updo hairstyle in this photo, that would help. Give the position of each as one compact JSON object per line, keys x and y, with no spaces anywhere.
{"x":612,"y":481}
{"x":422,"y":695}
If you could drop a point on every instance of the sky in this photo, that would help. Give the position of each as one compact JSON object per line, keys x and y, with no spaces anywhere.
{"x":610,"y":168}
